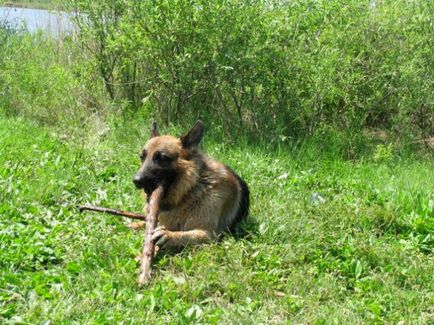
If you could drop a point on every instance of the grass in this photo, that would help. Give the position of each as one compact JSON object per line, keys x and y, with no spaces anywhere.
{"x":364,"y":255}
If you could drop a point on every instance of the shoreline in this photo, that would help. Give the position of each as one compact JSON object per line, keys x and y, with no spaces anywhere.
{"x":30,"y":5}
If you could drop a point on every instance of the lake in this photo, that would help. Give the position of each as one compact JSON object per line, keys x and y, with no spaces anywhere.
{"x":52,"y":22}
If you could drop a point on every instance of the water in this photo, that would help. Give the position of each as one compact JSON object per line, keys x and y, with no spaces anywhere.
{"x":52,"y":22}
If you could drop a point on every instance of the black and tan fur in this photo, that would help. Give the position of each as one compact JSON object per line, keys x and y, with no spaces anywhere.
{"x":203,"y":198}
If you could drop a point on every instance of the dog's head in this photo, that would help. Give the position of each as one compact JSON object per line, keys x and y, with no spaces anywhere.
{"x":165,"y":157}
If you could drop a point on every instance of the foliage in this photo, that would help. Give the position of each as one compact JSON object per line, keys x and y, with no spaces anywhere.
{"x":279,"y":72}
{"x":269,"y":67}
{"x":364,"y":254}
{"x":383,"y":153}
{"x":49,"y":80}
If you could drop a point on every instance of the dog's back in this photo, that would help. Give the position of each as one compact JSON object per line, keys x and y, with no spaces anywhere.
{"x":244,"y":201}
{"x":216,"y":203}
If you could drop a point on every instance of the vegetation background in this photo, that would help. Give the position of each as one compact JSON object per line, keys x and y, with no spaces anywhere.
{"x":326,"y":108}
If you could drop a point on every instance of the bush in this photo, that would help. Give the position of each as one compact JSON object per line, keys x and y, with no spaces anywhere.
{"x":269,"y":70}
{"x":269,"y":67}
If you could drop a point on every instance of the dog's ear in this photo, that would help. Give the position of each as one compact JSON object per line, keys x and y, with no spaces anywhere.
{"x":194,"y":136}
{"x":154,"y":130}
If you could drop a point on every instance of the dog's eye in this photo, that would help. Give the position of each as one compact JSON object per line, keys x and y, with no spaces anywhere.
{"x":161,"y":157}
{"x":142,"y":155}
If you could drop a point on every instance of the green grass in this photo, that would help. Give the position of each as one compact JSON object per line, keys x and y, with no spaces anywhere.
{"x":365,"y":255}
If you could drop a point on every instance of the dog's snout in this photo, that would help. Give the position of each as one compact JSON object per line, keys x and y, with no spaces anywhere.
{"x":139,"y":180}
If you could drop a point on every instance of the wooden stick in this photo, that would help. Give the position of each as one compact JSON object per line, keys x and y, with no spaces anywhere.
{"x":148,"y":246}
{"x":127,"y":214}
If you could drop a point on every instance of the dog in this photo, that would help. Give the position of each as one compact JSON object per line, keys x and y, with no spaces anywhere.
{"x":202,"y":197}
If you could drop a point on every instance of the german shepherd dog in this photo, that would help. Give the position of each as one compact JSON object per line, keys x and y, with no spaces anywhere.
{"x":202,"y":197}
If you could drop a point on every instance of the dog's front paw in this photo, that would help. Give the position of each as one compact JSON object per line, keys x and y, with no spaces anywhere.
{"x":161,"y":237}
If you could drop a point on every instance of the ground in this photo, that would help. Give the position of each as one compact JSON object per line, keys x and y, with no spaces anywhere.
{"x":328,"y":240}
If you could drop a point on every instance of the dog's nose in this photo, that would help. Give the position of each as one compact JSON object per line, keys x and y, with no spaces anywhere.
{"x":138,"y":180}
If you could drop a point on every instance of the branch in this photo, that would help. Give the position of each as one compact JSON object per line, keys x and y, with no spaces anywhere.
{"x":127,"y":214}
{"x":151,"y":218}
{"x":148,"y":246}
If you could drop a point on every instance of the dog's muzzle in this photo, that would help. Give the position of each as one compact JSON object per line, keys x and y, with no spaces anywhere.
{"x":148,"y":184}
{"x":139,"y":181}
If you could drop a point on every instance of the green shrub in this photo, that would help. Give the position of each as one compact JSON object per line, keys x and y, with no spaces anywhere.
{"x":280,"y":72}
{"x":268,"y":67}
{"x":383,"y":153}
